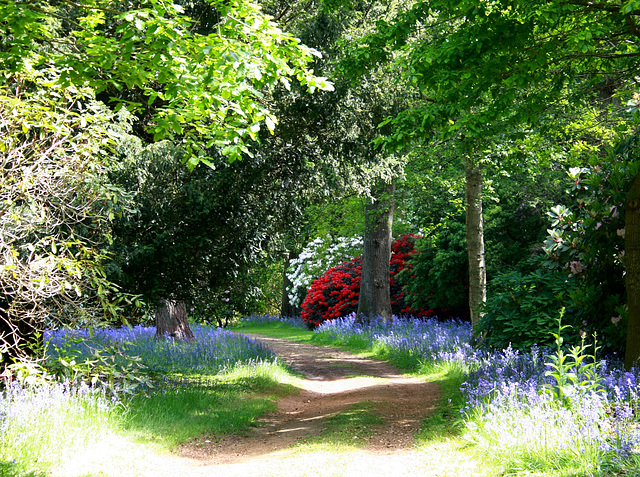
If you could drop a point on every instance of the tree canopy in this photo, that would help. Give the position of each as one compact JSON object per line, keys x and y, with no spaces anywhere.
{"x":195,"y":80}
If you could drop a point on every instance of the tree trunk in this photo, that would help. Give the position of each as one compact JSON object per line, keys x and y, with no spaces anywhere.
{"x":288,"y":309}
{"x":632,"y":266}
{"x":475,"y":241}
{"x":375,"y":291}
{"x":171,"y":321}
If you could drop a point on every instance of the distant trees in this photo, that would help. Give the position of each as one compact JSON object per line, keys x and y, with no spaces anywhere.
{"x":488,"y":73}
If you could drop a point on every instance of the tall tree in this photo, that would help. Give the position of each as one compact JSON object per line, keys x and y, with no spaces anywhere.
{"x":54,"y":218}
{"x":475,"y":239}
{"x":203,"y":90}
{"x":193,"y":76}
{"x":486,"y":68}
{"x":342,"y":125}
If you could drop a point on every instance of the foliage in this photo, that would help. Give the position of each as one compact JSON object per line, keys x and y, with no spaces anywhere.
{"x":572,"y":371}
{"x":582,"y":270}
{"x":515,"y":202}
{"x":522,"y":309}
{"x":256,"y":290}
{"x":480,"y":69}
{"x":108,"y":366}
{"x":335,"y":294}
{"x":318,"y":256}
{"x":208,"y":237}
{"x":438,"y":277}
{"x":57,"y":204}
{"x":196,"y":79}
{"x":586,"y":242}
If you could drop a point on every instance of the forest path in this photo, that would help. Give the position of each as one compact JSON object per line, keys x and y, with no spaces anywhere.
{"x":334,"y":381}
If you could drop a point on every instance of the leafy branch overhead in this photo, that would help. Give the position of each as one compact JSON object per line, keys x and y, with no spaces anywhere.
{"x":479,"y":67}
{"x":195,"y":82}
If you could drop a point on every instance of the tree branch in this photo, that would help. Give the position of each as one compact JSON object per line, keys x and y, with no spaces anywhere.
{"x":632,"y":25}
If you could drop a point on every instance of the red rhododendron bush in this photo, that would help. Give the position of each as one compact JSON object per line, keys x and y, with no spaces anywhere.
{"x":335,"y":294}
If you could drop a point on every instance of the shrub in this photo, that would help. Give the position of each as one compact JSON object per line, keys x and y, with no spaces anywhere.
{"x":586,"y":243}
{"x":583,"y":270}
{"x":335,"y":294}
{"x":438,"y":277}
{"x":318,"y":256}
{"x":522,"y":309}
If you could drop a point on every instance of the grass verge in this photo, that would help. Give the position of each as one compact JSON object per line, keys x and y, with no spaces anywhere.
{"x":275,"y":329}
{"x":189,"y":406}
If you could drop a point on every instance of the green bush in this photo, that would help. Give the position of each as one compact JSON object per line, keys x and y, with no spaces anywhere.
{"x":438,"y":275}
{"x":582,"y":270}
{"x":522,"y":309}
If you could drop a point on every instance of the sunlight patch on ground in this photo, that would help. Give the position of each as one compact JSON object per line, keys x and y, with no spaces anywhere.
{"x":117,"y":456}
{"x":329,"y":463}
{"x":343,"y":385}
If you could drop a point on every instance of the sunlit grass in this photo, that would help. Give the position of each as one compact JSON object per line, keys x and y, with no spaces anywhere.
{"x":44,"y":426}
{"x":275,"y":329}
{"x":187,"y":407}
{"x":349,"y":428}
{"x":204,"y":392}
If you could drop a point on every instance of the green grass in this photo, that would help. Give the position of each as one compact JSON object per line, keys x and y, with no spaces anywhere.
{"x":275,"y":330}
{"x":54,"y":428}
{"x":210,"y":406}
{"x":349,"y":428}
{"x":85,"y":436}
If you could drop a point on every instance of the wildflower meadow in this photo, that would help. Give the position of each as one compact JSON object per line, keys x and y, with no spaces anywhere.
{"x":541,"y":411}
{"x":96,"y":383}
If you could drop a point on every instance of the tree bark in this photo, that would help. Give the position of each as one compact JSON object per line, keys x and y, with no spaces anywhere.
{"x":375,"y":291}
{"x":632,"y":266}
{"x":475,"y":241}
{"x":286,"y":308}
{"x":171,"y":321}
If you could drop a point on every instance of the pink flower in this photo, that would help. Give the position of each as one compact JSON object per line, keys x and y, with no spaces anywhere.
{"x":614,"y":211}
{"x":576,"y":267}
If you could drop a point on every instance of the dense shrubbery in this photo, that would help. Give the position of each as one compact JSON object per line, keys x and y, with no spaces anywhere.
{"x":317,"y":257}
{"x":439,"y":271}
{"x":335,"y":294}
{"x":522,"y":309}
{"x":583,"y":271}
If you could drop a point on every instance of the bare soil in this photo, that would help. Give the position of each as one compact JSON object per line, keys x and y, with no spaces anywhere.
{"x":334,"y":380}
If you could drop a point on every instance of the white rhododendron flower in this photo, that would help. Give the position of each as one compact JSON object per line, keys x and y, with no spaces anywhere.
{"x":317,"y":257}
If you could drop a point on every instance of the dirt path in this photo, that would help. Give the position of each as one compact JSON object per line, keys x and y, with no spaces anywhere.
{"x":334,"y":381}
